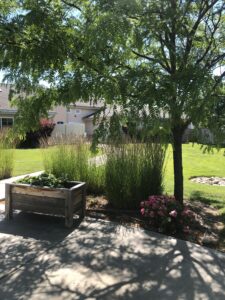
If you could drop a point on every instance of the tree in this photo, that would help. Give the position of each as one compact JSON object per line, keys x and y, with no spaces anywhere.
{"x":147,"y":57}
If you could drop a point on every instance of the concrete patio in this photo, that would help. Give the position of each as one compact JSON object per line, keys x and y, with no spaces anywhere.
{"x":40,"y":259}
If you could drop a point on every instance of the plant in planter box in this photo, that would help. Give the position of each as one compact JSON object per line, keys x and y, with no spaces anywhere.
{"x":45,"y":179}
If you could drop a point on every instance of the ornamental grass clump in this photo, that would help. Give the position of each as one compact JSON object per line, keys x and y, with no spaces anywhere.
{"x":133,"y":171}
{"x":72,"y":161}
{"x":167,"y":215}
{"x":6,"y":156}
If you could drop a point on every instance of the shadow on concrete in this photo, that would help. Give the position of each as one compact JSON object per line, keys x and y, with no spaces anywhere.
{"x":36,"y":226}
{"x":26,"y":236}
{"x":104,"y":261}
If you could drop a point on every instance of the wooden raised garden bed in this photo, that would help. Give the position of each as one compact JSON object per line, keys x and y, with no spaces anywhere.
{"x":54,"y":201}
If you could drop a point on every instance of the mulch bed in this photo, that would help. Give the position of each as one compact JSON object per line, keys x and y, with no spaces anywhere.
{"x":207,"y":230}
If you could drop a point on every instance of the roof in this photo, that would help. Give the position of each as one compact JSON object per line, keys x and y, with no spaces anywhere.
{"x":89,"y":104}
{"x":8,"y":111}
{"x":5,"y":105}
{"x":90,"y":115}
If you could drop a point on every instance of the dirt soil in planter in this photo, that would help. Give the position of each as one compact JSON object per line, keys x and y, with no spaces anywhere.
{"x":208,"y":229}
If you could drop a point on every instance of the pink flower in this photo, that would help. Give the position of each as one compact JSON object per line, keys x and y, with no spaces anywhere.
{"x":173,"y":213}
{"x":187,"y":212}
{"x":142,"y":211}
{"x":152,"y":214}
{"x":161,"y":213}
{"x":147,"y":203}
{"x":155,"y":206}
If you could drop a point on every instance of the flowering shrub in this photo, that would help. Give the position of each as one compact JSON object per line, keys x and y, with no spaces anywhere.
{"x":166,"y":215}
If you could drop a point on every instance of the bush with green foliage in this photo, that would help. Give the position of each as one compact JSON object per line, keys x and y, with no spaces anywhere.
{"x":6,"y":156}
{"x":133,"y":171}
{"x":33,"y":139}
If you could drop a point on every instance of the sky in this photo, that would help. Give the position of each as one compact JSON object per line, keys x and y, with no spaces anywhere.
{"x":1,"y":76}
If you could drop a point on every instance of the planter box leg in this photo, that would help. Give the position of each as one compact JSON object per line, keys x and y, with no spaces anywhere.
{"x":83,"y":210}
{"x":8,"y":202}
{"x":68,"y":211}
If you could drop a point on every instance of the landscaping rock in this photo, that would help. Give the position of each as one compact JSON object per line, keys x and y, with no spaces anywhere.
{"x":209,"y":180}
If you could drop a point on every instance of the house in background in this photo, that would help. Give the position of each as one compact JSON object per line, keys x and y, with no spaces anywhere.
{"x":7,"y":112}
{"x":72,"y":119}
{"x":76,"y":116}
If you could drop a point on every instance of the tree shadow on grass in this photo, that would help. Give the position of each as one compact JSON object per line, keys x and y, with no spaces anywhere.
{"x":199,"y":196}
{"x":102,"y":260}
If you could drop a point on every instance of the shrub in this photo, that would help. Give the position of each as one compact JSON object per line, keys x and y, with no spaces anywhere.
{"x":133,"y":171}
{"x":73,"y":162}
{"x":6,"y":156}
{"x":166,"y":215}
{"x":33,"y":139}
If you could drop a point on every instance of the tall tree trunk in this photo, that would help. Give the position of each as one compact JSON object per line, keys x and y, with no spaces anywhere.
{"x":177,"y":163}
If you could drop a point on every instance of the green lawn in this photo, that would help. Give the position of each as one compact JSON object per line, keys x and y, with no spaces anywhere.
{"x":27,"y":161}
{"x":196,"y":163}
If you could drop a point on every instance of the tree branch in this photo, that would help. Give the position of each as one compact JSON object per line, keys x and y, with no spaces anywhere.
{"x":202,"y":12}
{"x":143,"y":55}
{"x":151,"y":59}
{"x":72,"y":5}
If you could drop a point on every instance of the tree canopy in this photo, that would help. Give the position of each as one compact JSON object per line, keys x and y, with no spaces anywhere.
{"x":147,"y":59}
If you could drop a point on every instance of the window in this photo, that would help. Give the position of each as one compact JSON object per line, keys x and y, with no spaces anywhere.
{"x":6,"y":122}
{"x":77,"y":111}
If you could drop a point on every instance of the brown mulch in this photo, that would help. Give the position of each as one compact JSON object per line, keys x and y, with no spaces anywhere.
{"x":207,"y":230}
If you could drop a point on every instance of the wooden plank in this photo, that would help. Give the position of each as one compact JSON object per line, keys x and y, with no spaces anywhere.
{"x":83,"y":212}
{"x":76,"y":193}
{"x":77,"y":185}
{"x":43,"y":210}
{"x":77,"y":206}
{"x":8,"y":202}
{"x":38,"y":204}
{"x":77,"y":200}
{"x":69,"y":210}
{"x":35,"y":191}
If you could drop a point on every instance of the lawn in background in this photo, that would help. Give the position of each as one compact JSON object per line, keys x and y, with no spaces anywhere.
{"x":27,"y":161}
{"x":197,"y":163}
